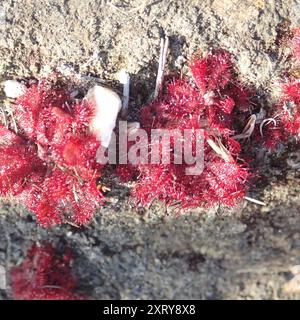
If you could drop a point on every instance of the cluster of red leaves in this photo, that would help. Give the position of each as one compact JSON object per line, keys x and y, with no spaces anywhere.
{"x":44,"y":275}
{"x":290,"y":100}
{"x":290,"y":107}
{"x":50,"y":164}
{"x":286,"y":112}
{"x":213,"y":102}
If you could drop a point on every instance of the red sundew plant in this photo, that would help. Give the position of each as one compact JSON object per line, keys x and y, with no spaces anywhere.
{"x":49,"y":164}
{"x":290,"y":106}
{"x":286,"y":113}
{"x":212,"y":101}
{"x":44,"y":275}
{"x":49,"y":161}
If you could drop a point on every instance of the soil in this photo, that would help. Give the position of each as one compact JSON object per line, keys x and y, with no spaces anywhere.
{"x":247,"y":252}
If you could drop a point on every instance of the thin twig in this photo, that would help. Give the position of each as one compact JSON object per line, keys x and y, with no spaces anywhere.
{"x":164,"y":45}
{"x":75,"y":194}
{"x":10,"y":112}
{"x":255,"y":201}
{"x":72,"y":224}
{"x":5,"y":120}
{"x":220,"y":150}
{"x":266,"y":121}
{"x":248,"y":130}
{"x":124,"y":78}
